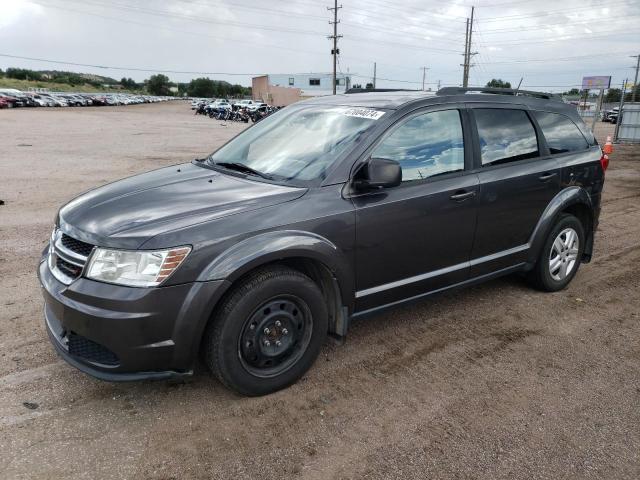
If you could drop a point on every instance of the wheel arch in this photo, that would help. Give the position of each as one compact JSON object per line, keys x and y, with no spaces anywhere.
{"x":574,"y":200}
{"x":309,"y":253}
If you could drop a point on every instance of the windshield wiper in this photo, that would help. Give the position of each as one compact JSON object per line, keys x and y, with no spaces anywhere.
{"x":241,"y":167}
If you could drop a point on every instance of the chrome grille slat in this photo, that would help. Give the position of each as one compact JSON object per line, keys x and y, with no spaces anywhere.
{"x":69,"y":255}
{"x":65,"y":263}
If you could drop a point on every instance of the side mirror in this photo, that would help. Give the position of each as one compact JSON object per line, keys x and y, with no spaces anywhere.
{"x":379,"y":173}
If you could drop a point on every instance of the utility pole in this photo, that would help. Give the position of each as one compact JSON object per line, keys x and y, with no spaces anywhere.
{"x":335,"y":37}
{"x":424,"y":76}
{"x":467,"y":51}
{"x":438,"y":84}
{"x":635,"y":82}
{"x":619,"y":119}
{"x":466,"y":46}
{"x":374,"y":75}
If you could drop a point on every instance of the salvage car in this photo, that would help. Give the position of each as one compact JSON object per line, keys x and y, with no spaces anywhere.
{"x":330,"y":209}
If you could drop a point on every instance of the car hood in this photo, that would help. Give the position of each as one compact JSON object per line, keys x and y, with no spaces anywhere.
{"x":126,"y":213}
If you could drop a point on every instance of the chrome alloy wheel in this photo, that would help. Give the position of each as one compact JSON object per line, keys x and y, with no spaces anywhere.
{"x":564,"y":254}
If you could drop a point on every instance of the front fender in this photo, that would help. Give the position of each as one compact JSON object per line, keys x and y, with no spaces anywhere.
{"x":277,"y":245}
{"x":566,"y":198}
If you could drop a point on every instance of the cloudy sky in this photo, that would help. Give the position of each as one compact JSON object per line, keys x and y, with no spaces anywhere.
{"x":551,"y":44}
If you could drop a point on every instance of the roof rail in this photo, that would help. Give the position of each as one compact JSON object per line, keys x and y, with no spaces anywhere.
{"x":496,"y":91}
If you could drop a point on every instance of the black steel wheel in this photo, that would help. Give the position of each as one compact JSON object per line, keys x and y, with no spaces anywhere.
{"x":267,"y":332}
{"x":275,"y":336}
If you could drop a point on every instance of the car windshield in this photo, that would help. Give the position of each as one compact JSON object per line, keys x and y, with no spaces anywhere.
{"x":298,"y":143}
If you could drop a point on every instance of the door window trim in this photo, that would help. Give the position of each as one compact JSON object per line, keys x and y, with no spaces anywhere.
{"x":543,"y":149}
{"x":466,"y":138}
{"x":546,"y":145}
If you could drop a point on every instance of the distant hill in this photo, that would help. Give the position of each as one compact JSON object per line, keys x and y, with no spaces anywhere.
{"x":60,"y":76}
{"x":90,"y":77}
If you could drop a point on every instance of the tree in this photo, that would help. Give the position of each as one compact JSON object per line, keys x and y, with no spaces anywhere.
{"x":628,"y":97}
{"x":128,"y":83}
{"x":158,"y":85}
{"x":201,"y":87}
{"x":498,"y":83}
{"x":613,"y":95}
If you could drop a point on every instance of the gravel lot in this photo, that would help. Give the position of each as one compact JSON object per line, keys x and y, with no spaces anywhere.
{"x":498,"y":381}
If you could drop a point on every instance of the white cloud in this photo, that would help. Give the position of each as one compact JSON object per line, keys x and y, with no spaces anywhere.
{"x":13,"y":10}
{"x":402,"y":37}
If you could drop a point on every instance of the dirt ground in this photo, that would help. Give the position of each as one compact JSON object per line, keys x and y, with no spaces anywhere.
{"x":497,"y":381}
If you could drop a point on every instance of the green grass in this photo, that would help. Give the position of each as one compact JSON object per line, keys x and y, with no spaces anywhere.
{"x":25,"y":85}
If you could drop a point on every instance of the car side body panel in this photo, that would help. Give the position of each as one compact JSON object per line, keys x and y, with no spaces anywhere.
{"x":381,"y":248}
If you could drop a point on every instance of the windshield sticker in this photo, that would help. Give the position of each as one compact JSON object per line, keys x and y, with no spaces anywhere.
{"x":364,"y":113}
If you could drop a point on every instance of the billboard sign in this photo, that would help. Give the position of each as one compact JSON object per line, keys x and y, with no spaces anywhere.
{"x":595,"y":83}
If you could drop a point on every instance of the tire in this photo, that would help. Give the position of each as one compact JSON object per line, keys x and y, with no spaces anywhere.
{"x":267,"y":332}
{"x":557,"y":264}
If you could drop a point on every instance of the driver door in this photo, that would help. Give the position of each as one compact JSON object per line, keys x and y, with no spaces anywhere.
{"x":417,"y":237}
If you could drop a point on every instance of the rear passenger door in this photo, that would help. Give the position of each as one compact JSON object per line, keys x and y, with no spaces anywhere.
{"x":518,"y":179}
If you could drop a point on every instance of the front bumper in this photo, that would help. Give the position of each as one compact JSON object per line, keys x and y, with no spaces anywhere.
{"x":118,"y":333}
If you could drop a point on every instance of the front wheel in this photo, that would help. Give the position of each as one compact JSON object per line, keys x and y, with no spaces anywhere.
{"x":267,"y":333}
{"x":561,"y":254}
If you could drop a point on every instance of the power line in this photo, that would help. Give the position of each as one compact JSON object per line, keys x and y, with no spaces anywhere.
{"x":162,"y":13}
{"x":551,"y":12}
{"x":561,"y":59}
{"x":136,"y":69}
{"x":394,"y":7}
{"x":564,"y":38}
{"x":166,"y":14}
{"x":186,"y":32}
{"x":545,"y":26}
{"x":394,"y":80}
{"x":268,"y":11}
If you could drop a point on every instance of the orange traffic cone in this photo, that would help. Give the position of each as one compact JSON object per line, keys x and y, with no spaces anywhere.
{"x":608,"y":146}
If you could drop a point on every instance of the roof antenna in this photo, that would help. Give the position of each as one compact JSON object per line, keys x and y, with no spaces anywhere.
{"x":518,"y":87}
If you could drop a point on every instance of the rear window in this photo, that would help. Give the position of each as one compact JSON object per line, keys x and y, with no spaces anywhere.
{"x":505,"y":135}
{"x":561,"y":133}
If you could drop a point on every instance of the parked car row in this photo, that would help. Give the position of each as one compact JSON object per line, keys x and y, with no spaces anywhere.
{"x":241,"y":111}
{"x":10,"y":98}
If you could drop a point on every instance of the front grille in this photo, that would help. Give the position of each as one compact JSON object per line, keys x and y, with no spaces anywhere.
{"x":67,"y":256}
{"x":91,"y":351}
{"x":68,"y":269}
{"x":81,"y":248}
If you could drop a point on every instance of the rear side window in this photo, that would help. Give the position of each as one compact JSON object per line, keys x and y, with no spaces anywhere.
{"x":505,"y":135}
{"x":561,"y":133}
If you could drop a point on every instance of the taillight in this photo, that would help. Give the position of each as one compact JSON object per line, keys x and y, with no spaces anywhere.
{"x":604,"y":161}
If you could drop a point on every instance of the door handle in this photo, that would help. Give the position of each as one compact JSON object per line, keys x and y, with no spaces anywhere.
{"x":462,"y":196}
{"x":547,"y":176}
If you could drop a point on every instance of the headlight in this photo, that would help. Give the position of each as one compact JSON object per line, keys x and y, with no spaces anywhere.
{"x":142,"y":268}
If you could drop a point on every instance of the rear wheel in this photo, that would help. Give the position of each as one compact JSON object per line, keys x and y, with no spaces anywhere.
{"x":267,"y":333}
{"x":561,"y":254}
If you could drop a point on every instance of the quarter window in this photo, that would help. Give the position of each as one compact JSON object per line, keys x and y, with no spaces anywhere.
{"x":561,"y":133}
{"x":426,"y":145}
{"x":505,"y":135}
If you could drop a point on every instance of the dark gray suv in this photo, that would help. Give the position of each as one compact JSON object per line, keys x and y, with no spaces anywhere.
{"x":330,"y":209}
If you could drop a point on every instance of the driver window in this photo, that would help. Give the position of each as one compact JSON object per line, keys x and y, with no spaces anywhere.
{"x":426,"y":145}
